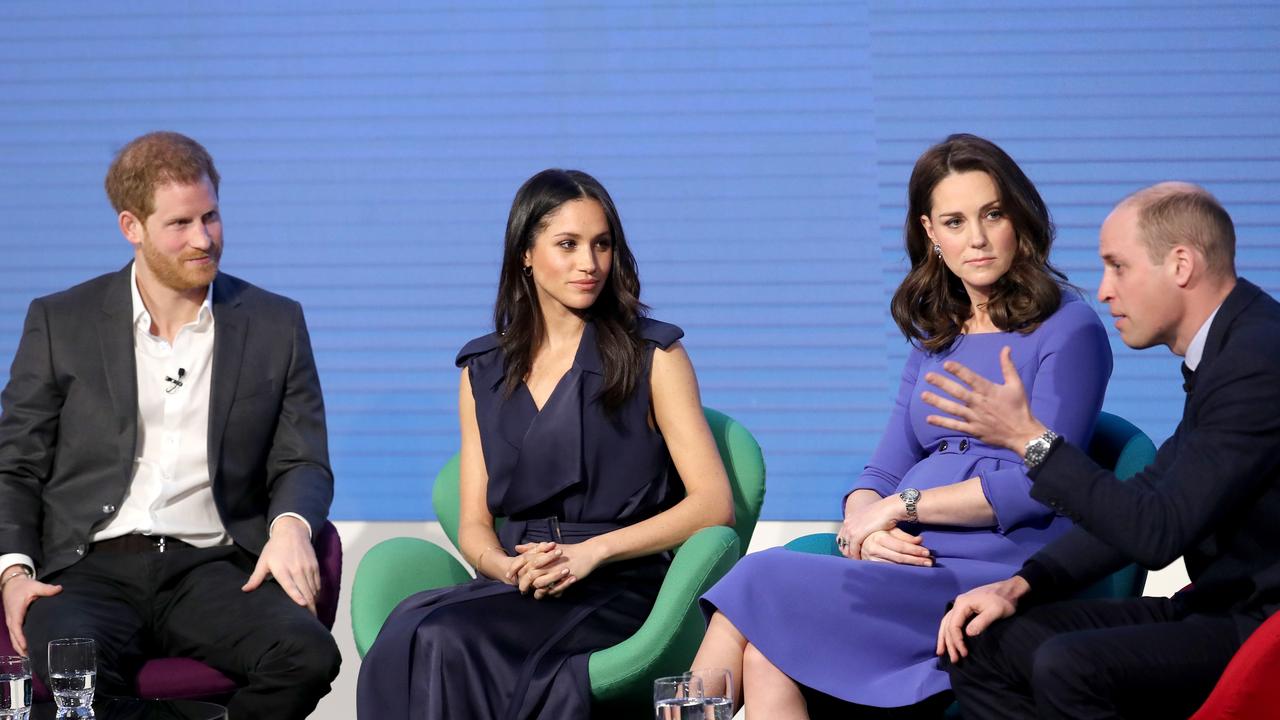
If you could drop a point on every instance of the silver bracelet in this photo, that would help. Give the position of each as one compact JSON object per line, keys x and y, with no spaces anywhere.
{"x":14,"y":574}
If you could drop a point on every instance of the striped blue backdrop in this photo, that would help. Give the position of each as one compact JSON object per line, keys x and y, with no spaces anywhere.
{"x":758,"y":153}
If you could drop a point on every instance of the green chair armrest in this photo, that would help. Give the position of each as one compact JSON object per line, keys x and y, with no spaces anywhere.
{"x":621,"y":676}
{"x":390,"y":572}
{"x":815,"y":544}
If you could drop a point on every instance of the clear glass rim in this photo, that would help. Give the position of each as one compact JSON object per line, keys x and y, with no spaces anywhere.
{"x":71,"y":642}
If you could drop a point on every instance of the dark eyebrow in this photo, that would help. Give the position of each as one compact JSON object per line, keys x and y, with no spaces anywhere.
{"x":960,"y":213}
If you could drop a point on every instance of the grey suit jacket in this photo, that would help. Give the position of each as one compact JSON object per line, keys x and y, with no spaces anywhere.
{"x":69,"y":426}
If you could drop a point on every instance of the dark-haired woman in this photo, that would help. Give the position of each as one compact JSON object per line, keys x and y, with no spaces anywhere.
{"x":933,"y":513}
{"x":582,"y":425}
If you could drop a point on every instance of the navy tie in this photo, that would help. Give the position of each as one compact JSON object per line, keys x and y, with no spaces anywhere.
{"x":1188,"y":378}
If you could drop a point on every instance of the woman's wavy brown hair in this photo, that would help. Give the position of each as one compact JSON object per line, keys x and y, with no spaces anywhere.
{"x":517,"y":317}
{"x":931,"y":305}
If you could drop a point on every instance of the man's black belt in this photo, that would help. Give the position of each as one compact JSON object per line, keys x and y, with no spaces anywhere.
{"x":138,"y":543}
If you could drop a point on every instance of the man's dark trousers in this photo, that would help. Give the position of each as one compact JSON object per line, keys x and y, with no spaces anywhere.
{"x":1085,"y":659}
{"x":187,"y":602}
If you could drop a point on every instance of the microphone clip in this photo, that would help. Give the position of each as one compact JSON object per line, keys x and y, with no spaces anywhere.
{"x":174,"y":382}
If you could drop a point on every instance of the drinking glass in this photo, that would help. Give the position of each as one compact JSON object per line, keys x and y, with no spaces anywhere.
{"x":15,"y":687}
{"x":717,"y":693}
{"x":73,"y":674}
{"x":678,"y":697}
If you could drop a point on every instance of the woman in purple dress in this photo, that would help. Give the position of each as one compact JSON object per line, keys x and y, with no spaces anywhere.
{"x":933,"y":513}
{"x":582,"y":426}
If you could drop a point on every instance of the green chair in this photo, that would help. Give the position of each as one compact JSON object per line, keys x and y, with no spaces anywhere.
{"x":622,"y":675}
{"x":1117,"y":445}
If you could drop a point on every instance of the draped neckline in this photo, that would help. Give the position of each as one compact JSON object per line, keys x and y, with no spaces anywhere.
{"x":561,"y":382}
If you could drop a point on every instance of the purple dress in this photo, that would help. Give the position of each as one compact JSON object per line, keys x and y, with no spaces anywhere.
{"x":568,"y":472}
{"x":865,"y":631}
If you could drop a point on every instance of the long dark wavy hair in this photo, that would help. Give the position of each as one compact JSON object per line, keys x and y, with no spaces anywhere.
{"x":931,"y":305}
{"x":517,"y":315}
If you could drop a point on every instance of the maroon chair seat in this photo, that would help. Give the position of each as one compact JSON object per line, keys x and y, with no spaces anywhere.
{"x":185,"y":678}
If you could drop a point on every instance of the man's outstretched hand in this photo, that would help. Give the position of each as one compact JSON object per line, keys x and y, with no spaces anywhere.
{"x":289,"y":558}
{"x":974,"y":612}
{"x":19,"y":593}
{"x":998,"y":415}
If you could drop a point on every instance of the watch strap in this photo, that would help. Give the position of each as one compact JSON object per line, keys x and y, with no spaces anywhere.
{"x":1038,"y":449}
{"x":910,"y":497}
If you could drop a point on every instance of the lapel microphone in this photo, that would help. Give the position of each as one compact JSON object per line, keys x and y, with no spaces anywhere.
{"x":175,"y":383}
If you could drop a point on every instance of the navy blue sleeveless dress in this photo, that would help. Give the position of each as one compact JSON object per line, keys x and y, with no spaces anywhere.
{"x":483,"y":650}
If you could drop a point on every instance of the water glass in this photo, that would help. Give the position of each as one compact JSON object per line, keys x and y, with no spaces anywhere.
{"x":15,"y":687}
{"x":73,"y":674}
{"x":678,"y":697}
{"x":717,"y":693}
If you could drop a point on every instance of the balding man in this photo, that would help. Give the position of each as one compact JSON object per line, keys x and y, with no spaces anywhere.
{"x":1212,"y":494}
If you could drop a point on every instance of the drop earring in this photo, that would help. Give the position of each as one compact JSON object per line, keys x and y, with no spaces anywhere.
{"x":937,"y":250}
{"x":528,"y":270}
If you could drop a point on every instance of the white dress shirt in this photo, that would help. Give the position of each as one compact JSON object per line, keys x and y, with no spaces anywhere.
{"x":1195,"y":350}
{"x":170,"y":492}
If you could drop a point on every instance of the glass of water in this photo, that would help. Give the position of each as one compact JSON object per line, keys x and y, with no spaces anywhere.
{"x":717,"y":693}
{"x":677,"y":698}
{"x":73,"y":674}
{"x":15,"y":687}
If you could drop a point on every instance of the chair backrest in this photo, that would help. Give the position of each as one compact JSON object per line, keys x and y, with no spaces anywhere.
{"x":1121,"y":447}
{"x":739,"y":451}
{"x":328,"y":546}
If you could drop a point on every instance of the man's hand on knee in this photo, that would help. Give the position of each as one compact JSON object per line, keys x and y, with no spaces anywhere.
{"x":291,"y":560}
{"x":19,"y":593}
{"x":975,"y":611}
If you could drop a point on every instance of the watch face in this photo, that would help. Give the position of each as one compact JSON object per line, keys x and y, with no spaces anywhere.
{"x":911,"y":494}
{"x":1037,"y":450}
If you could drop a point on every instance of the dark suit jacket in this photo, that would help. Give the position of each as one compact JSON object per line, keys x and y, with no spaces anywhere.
{"x":1212,"y":494}
{"x":69,"y":428}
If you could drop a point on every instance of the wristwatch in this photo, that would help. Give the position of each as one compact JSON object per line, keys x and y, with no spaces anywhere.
{"x":909,"y":498}
{"x":1038,"y":448}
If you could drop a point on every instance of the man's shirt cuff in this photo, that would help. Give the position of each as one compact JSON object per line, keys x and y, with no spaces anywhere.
{"x":9,"y":559}
{"x":271,"y":531}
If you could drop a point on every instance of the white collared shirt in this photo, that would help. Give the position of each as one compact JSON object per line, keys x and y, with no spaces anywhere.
{"x":170,"y":492}
{"x":1195,"y":350}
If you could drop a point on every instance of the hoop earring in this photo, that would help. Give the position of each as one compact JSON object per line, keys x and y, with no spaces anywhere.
{"x":528,"y":271}
{"x":937,"y":250}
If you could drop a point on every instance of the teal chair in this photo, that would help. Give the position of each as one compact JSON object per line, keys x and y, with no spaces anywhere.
{"x":622,"y":675}
{"x":1117,"y":445}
